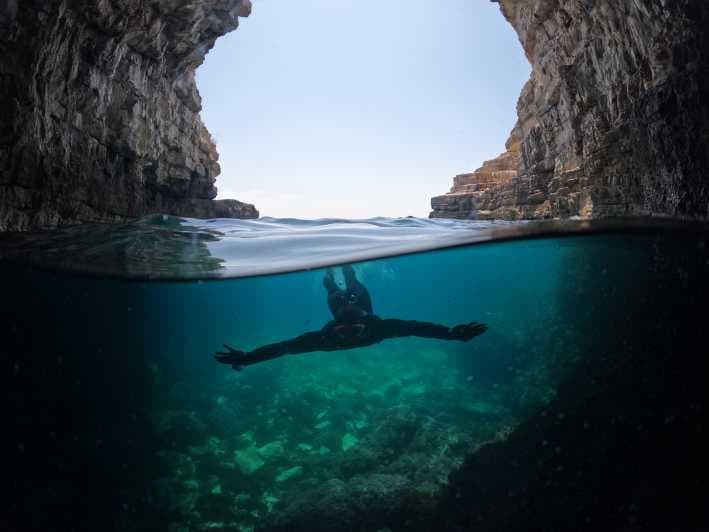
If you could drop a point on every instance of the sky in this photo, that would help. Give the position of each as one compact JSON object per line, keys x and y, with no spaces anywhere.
{"x":351,"y":109}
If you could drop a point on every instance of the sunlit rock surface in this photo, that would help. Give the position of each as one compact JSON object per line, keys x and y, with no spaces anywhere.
{"x":99,"y":111}
{"x":613,"y":120}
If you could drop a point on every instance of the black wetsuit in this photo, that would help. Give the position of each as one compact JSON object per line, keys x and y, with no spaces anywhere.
{"x":354,"y":325}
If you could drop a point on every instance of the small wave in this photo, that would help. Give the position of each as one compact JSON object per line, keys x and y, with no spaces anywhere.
{"x":170,"y":248}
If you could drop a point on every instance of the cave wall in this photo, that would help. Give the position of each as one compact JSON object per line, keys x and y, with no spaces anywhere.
{"x":99,"y":115}
{"x":622,"y":445}
{"x":613,"y":120}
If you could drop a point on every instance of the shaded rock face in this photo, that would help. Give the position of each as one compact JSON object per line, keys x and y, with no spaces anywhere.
{"x":613,"y":120}
{"x":622,"y":447}
{"x":99,"y":118}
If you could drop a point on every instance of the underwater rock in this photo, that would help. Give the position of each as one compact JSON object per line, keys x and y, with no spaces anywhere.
{"x":612,"y":122}
{"x":363,"y":503}
{"x":349,"y":441}
{"x":391,"y":432}
{"x":289,"y":473}
{"x":269,"y":501}
{"x":248,"y":460}
{"x":404,"y":442}
{"x":623,"y":444}
{"x":270,"y":450}
{"x":179,"y":428}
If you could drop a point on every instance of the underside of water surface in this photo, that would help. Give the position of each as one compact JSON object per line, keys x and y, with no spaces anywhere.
{"x":581,"y":406}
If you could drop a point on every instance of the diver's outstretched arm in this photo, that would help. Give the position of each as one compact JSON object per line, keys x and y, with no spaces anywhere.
{"x":305,"y":343}
{"x":393,"y":328}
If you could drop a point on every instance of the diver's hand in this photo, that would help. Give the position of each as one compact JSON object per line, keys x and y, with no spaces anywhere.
{"x":235,"y":358}
{"x":468,"y":331}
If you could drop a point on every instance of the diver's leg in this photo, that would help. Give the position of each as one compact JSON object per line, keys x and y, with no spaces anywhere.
{"x":335,"y":296}
{"x":350,"y":277}
{"x":357,"y":288}
{"x":329,"y":282}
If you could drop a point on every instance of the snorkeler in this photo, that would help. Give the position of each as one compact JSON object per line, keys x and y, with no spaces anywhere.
{"x":354,"y":325}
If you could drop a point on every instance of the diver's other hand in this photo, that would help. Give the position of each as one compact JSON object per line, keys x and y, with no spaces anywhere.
{"x":468,"y":331}
{"x":235,"y":358}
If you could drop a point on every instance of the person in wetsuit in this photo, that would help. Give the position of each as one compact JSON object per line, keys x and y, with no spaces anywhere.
{"x":353,"y":325}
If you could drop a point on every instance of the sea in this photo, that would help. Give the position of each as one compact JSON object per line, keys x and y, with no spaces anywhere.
{"x":582,"y":405}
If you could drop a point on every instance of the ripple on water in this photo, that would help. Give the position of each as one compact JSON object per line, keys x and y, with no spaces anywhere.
{"x":171,"y":248}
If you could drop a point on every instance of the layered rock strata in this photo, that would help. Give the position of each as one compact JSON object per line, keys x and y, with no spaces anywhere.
{"x":100,"y":111}
{"x":613,"y":120}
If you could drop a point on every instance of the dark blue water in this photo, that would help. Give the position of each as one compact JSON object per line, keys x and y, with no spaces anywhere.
{"x":581,"y":404}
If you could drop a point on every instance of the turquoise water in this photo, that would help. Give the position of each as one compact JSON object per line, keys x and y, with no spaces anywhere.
{"x":121,"y":419}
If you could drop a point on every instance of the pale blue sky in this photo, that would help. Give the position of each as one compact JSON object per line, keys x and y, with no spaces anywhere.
{"x":344,"y":108}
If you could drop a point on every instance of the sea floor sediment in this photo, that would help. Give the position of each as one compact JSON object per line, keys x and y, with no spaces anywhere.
{"x":329,"y":435}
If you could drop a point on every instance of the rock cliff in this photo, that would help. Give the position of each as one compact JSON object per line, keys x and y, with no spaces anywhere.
{"x":99,"y":116}
{"x":99,"y":112}
{"x":613,"y":120}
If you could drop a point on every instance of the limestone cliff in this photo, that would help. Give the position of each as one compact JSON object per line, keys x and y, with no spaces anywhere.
{"x":613,"y":120}
{"x":99,"y":117}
